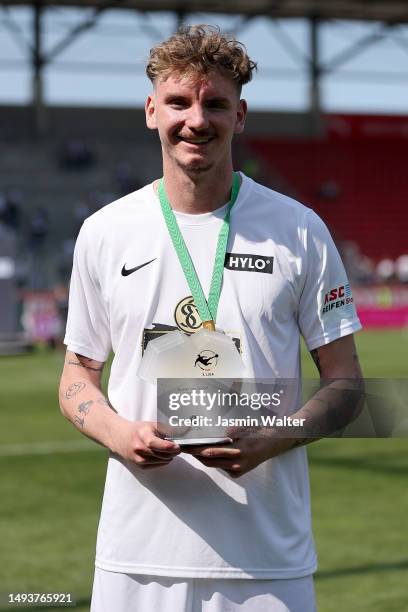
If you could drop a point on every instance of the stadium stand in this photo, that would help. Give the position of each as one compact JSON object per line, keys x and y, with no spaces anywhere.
{"x":355,"y":179}
{"x":352,"y":174}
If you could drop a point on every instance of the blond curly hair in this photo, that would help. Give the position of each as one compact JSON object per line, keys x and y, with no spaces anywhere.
{"x":200,"y":49}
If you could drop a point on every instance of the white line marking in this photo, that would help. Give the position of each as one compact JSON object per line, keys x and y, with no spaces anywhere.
{"x":48,"y":448}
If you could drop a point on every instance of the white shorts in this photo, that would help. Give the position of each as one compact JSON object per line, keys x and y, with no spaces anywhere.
{"x":113,"y":591}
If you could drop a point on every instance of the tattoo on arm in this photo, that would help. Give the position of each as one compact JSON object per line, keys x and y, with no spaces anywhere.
{"x":85,"y":407}
{"x":74,"y":389}
{"x":79,"y":421}
{"x":333,"y":406}
{"x":81,"y":363}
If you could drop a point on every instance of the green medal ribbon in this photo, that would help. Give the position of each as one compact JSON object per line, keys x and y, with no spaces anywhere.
{"x":206,"y":309}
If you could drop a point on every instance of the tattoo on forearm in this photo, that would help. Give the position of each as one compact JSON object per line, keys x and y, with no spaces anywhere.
{"x":86,"y":366}
{"x":310,"y":415}
{"x":79,"y":421}
{"x":85,"y":407}
{"x":74,"y":389}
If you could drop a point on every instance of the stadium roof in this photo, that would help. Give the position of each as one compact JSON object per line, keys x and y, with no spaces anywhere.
{"x":389,"y":11}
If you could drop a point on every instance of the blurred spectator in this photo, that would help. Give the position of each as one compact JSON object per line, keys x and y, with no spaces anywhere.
{"x":366,"y":269}
{"x":41,"y":319}
{"x":39,"y":226}
{"x":401,"y":269}
{"x":75,"y":154}
{"x":360,"y":268}
{"x":61,"y":295}
{"x":329,"y":191}
{"x":10,"y":208}
{"x":386,"y":270}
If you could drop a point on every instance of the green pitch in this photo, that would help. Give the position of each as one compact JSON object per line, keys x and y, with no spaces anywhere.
{"x":52,"y":485}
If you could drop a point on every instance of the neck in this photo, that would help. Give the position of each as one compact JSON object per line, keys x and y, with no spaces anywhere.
{"x":195,"y":194}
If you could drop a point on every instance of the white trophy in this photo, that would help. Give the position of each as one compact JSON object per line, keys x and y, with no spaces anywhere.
{"x":205,"y":353}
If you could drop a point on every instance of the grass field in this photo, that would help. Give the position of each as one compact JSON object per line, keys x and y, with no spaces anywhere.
{"x":51,"y":497}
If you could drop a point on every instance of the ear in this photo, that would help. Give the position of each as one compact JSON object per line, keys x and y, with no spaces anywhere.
{"x":241,"y":116}
{"x":150,"y":110}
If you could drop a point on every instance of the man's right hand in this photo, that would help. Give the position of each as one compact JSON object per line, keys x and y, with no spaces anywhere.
{"x":83,"y":403}
{"x":141,"y":443}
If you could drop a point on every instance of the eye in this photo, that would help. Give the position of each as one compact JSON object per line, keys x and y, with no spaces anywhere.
{"x":217,"y":104}
{"x":177,"y":103}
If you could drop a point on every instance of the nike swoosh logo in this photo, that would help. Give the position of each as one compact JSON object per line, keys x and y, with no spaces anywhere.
{"x":126,"y":272}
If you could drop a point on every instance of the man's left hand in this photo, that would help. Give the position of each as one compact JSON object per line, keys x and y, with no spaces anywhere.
{"x":248,"y":450}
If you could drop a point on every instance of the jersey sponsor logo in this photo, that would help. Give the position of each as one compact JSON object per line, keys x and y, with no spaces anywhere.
{"x":248,"y":262}
{"x":127,"y":271}
{"x":207,"y":361}
{"x":186,"y":316}
{"x":338,"y":297}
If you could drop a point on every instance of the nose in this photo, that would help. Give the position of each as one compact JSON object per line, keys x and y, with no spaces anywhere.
{"x":197,"y":117}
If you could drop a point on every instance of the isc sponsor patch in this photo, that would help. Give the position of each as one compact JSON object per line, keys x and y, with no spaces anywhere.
{"x":245,"y":262}
{"x":338,"y":297}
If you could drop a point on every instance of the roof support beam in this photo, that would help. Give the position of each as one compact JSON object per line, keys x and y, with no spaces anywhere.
{"x":14,"y":28}
{"x":40,"y":60}
{"x":315,"y":72}
{"x":358,"y":47}
{"x":180,"y":18}
{"x":74,"y":33}
{"x":310,"y":62}
{"x":40,"y":121}
{"x":289,"y":44}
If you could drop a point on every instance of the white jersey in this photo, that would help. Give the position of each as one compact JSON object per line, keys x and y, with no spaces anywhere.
{"x":283,"y":277}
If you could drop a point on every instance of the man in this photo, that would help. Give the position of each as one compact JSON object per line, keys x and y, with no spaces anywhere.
{"x":228,"y":528}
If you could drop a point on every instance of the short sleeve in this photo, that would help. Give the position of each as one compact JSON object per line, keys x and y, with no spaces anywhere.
{"x":87,"y":330}
{"x":326,"y":306}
